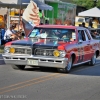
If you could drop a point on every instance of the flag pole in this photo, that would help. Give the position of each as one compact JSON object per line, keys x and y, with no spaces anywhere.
{"x":20,"y":14}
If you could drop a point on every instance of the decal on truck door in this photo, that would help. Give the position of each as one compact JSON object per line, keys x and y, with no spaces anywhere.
{"x":81,"y":54}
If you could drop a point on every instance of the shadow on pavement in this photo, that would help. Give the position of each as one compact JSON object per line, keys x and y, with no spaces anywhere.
{"x":42,"y":69}
{"x":86,"y":70}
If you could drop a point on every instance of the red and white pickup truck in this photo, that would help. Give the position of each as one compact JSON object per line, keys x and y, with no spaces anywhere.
{"x":57,"y":46}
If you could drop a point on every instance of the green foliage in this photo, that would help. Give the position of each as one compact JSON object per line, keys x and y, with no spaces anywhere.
{"x":86,"y":3}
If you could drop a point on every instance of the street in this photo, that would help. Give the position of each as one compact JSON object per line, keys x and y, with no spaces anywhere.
{"x":83,"y":83}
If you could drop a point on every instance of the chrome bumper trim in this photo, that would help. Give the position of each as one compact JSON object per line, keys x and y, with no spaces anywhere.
{"x":42,"y":61}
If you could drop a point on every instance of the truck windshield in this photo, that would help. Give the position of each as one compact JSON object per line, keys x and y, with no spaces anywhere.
{"x":57,"y":33}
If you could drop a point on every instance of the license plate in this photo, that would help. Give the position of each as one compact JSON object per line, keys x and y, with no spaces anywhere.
{"x":32,"y":62}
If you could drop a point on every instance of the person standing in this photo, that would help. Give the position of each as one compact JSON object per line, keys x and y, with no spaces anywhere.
{"x":90,"y":23}
{"x":83,"y":25}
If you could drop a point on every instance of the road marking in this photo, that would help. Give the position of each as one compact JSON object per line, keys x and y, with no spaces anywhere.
{"x":36,"y":82}
{"x":30,"y":80}
{"x":86,"y":67}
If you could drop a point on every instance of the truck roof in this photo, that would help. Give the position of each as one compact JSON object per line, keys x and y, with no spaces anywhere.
{"x":57,"y":26}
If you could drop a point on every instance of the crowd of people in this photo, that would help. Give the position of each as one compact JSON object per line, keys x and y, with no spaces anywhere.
{"x":11,"y":33}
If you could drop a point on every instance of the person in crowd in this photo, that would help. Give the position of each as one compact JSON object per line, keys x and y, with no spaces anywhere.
{"x":95,"y":20}
{"x":80,"y":25}
{"x":22,"y":35}
{"x":83,"y":25}
{"x":68,"y":22}
{"x":95,"y":34}
{"x":10,"y":34}
{"x":41,"y":15}
{"x":58,"y":22}
{"x":90,"y":23}
{"x":47,"y":22}
{"x":19,"y":26}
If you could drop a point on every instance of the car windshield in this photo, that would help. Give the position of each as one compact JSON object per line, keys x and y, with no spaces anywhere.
{"x":53,"y":33}
{"x":81,"y":20}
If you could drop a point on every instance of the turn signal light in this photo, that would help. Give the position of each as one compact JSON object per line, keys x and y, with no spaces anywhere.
{"x":56,"y":53}
{"x":12,"y":50}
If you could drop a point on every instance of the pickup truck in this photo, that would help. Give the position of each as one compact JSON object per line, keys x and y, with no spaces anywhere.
{"x":56,"y":46}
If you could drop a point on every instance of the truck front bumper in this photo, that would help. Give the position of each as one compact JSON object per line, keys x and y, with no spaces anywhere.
{"x":36,"y":61}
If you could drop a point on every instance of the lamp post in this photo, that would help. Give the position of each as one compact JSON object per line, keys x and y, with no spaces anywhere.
{"x":95,"y":2}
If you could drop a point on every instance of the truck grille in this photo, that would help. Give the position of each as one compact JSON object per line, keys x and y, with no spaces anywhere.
{"x":43,"y":52}
{"x":22,"y":51}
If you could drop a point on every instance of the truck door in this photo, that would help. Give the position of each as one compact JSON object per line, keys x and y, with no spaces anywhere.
{"x":80,"y":48}
{"x":84,"y":47}
{"x":89,"y":44}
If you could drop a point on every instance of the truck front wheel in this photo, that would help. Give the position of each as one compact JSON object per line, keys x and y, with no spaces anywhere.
{"x":67,"y":69}
{"x":93,"y":60}
{"x":18,"y":67}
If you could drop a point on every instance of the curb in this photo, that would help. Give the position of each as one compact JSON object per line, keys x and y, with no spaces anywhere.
{"x":1,"y":56}
{"x":1,"y":60}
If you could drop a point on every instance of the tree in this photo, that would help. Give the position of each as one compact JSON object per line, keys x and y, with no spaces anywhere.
{"x":87,"y":3}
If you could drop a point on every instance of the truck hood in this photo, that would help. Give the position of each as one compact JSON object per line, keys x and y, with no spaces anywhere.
{"x":30,"y":42}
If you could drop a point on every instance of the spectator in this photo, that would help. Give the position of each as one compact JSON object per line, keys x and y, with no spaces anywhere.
{"x":10,"y":33}
{"x":46,"y":21}
{"x":83,"y":25}
{"x":90,"y":23}
{"x":95,"y":34}
{"x":68,"y":22}
{"x":80,"y":25}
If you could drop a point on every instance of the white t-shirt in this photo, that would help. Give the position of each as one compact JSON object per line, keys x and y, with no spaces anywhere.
{"x":7,"y":34}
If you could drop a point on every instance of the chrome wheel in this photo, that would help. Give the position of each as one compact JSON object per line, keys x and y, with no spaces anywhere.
{"x":67,"y":68}
{"x":69,"y":65}
{"x":93,"y":60}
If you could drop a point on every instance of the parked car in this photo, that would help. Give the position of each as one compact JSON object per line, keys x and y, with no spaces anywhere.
{"x":57,"y":46}
{"x":79,"y":20}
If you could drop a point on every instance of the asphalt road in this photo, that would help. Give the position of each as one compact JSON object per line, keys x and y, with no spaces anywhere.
{"x":1,"y":60}
{"x":83,"y":83}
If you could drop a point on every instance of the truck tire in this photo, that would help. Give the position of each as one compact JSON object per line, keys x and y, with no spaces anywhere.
{"x":93,"y":60}
{"x":67,"y":69}
{"x":18,"y":67}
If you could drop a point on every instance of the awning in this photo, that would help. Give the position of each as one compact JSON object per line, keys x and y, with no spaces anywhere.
{"x":93,"y":12}
{"x":23,"y":4}
{"x":42,"y":5}
{"x":13,"y":3}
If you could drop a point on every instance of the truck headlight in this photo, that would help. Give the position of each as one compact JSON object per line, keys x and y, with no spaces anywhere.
{"x":62,"y":53}
{"x":6,"y":50}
